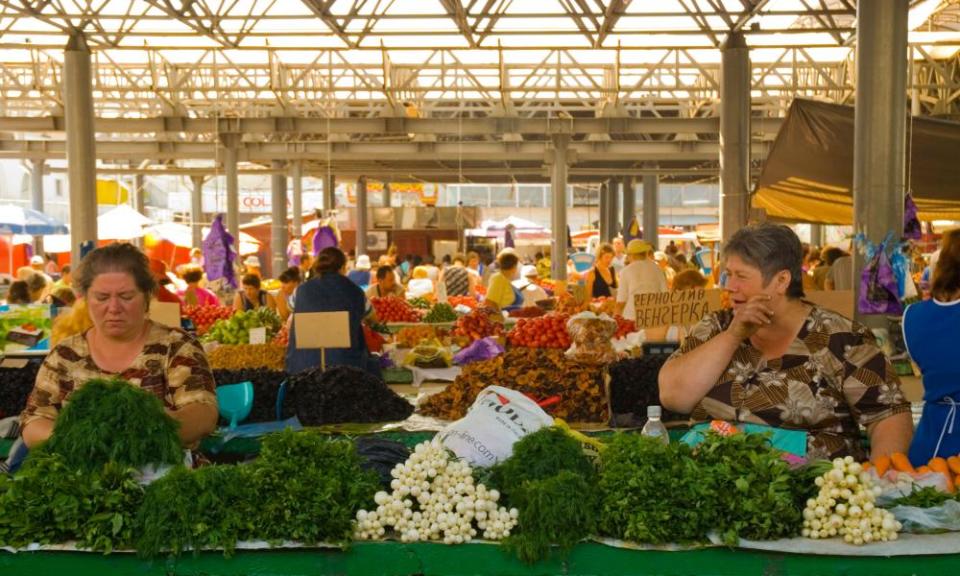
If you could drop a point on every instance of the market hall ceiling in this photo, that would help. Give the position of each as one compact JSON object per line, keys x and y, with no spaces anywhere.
{"x":445,"y":59}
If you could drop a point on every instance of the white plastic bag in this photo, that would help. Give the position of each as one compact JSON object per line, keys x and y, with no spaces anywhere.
{"x":498,"y":418}
{"x":943,"y":518}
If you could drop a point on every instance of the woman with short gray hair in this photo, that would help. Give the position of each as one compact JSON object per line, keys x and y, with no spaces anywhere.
{"x":776,"y":359}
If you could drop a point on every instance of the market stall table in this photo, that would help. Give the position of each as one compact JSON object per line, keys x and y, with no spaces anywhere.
{"x":395,"y":558}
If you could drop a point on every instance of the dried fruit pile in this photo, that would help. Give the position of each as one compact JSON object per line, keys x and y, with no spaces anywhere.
{"x":344,"y":394}
{"x":240,"y":356}
{"x":394,"y":309}
{"x":412,"y":335}
{"x":541,"y":374}
{"x":548,"y":331}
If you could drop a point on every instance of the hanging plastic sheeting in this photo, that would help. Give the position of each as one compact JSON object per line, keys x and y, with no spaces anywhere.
{"x":911,"y":223}
{"x":879,"y":288}
{"x":320,"y":234}
{"x":808,"y":175}
{"x":219,"y":254}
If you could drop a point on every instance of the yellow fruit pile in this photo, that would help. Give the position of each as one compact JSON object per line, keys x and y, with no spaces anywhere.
{"x":241,"y":356}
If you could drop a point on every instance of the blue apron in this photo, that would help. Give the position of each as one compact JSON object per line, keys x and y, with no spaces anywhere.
{"x":931,"y":331}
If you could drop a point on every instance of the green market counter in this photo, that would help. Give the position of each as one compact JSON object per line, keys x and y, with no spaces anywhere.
{"x":396,"y":559}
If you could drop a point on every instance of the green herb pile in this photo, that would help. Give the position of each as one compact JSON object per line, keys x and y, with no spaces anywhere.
{"x":753,"y":488}
{"x":552,"y":484}
{"x":737,"y":486}
{"x":925,"y":497}
{"x":113,"y":421}
{"x":49,"y":502}
{"x":304,"y":487}
{"x":441,"y":312}
{"x":187,"y":509}
{"x":653,"y":493}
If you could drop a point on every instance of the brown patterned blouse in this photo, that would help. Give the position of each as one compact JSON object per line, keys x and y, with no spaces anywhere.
{"x":832,"y":378}
{"x":172,"y":366}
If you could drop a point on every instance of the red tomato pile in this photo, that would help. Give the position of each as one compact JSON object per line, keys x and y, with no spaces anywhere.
{"x":203,"y":317}
{"x":624,"y":326}
{"x":282,"y":337}
{"x":394,"y":309}
{"x":548,"y":331}
{"x":477,"y":324}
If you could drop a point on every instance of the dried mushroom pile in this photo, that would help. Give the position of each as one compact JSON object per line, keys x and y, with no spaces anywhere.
{"x":541,"y":374}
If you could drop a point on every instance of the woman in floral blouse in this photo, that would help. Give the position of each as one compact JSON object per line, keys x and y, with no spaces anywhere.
{"x":778,"y":360}
{"x":117,"y":285}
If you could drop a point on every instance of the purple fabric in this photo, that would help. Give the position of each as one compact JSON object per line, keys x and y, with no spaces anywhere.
{"x":508,"y":241}
{"x":911,"y":222}
{"x":294,"y":253}
{"x":324,"y":238}
{"x":483,"y":349}
{"x":219,"y":254}
{"x":878,"y":286}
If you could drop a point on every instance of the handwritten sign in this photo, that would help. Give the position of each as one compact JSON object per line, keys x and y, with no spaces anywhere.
{"x":258,"y":335}
{"x":677,"y":308}
{"x":322,"y":329}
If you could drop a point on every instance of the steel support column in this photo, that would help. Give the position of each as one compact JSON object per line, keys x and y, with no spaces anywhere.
{"x":297,"y":175}
{"x":196,"y":211}
{"x":36,"y":184}
{"x":387,"y":194}
{"x":558,"y":208}
{"x":330,"y":192}
{"x":734,"y":135}
{"x":361,"y":247}
{"x":140,"y":193}
{"x":629,"y":201}
{"x":879,"y":123}
{"x":278,"y":219}
{"x":81,"y":144}
{"x":233,"y":194}
{"x":603,"y":219}
{"x":613,"y":209}
{"x":651,"y":207}
{"x":816,"y":235}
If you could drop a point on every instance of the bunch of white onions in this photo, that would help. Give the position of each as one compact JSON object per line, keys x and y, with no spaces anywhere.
{"x":433,"y":498}
{"x":845,"y":507}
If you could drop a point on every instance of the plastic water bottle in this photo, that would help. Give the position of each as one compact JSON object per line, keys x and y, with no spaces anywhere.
{"x":654,"y":428}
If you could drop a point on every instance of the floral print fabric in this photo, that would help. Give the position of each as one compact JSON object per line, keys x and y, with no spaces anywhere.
{"x":833,"y":379}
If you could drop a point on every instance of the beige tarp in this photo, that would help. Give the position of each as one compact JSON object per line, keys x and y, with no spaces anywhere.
{"x":808,"y":175}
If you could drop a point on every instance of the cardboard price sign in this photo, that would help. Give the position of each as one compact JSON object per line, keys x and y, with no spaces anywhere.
{"x":322,"y":329}
{"x":678,"y":308}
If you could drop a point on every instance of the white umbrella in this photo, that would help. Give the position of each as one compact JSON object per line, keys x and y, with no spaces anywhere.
{"x":56,"y":243}
{"x":121,"y":223}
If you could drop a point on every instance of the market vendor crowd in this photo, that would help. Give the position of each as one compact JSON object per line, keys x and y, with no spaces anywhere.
{"x":772,"y":358}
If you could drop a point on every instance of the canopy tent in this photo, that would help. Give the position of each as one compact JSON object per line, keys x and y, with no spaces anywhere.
{"x":121,"y":223}
{"x":522,"y":230}
{"x":808,"y":175}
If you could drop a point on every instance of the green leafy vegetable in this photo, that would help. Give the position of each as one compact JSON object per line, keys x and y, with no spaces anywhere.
{"x":557,"y":511}
{"x":113,"y":421}
{"x":753,"y":486}
{"x":925,"y":497}
{"x":653,"y":493}
{"x":50,"y":502}
{"x":186,"y":509}
{"x":539,"y":456}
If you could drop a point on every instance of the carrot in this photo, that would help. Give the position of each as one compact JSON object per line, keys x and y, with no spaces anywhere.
{"x":954,"y":463}
{"x":940,"y":465}
{"x":923,"y":470}
{"x":882,"y":464}
{"x":866,"y":466}
{"x":901,"y":463}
